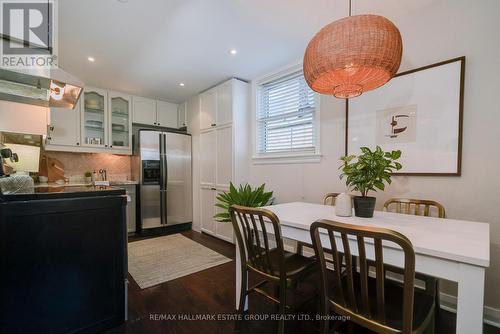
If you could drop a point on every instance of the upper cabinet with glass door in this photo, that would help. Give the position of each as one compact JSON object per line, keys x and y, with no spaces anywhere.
{"x":94,"y":118}
{"x":120,"y":125}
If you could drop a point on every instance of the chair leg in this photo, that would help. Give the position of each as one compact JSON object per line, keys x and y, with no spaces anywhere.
{"x":299,"y":247}
{"x":282,"y":309}
{"x":432,"y":326}
{"x":243,"y":293}
{"x":324,"y":325}
{"x":277,"y":296}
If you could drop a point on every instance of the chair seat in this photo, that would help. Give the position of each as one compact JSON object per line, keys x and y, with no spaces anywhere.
{"x":423,"y":304}
{"x":295,"y":264}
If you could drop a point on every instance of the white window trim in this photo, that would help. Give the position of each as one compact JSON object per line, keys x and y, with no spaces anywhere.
{"x":286,"y":157}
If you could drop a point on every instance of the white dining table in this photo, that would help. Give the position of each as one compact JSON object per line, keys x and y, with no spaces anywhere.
{"x":451,"y":249}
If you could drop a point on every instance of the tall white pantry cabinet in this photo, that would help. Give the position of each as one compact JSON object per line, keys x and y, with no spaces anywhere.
{"x":224,"y":126}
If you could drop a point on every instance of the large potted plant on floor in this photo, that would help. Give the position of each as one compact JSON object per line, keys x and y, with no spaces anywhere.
{"x":366,"y":172}
{"x":244,"y":195}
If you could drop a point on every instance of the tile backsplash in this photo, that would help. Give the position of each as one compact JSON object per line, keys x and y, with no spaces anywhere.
{"x":118,"y":167}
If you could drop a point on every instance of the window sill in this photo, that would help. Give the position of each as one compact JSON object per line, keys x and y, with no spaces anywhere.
{"x":287,"y":159}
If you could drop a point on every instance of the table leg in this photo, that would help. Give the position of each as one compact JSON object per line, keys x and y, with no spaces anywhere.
{"x":238,"y":279}
{"x":470,"y":301}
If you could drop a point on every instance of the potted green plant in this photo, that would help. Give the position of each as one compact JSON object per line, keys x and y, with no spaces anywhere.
{"x":88,"y":176}
{"x":366,"y":172}
{"x":244,"y":196}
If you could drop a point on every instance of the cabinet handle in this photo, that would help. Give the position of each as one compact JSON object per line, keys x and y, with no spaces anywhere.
{"x":77,"y":144}
{"x":51,"y":128}
{"x":111,"y":146}
{"x":106,"y":145}
{"x":213,"y":188}
{"x":159,"y":124}
{"x":213,"y":124}
{"x":154,"y":123}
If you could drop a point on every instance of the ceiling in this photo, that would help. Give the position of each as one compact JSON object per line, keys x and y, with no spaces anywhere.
{"x":148,"y":47}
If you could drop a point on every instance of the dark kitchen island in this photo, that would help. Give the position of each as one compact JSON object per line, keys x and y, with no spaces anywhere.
{"x":64,"y":260}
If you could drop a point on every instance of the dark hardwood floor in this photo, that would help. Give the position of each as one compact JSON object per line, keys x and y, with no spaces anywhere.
{"x":171,"y":306}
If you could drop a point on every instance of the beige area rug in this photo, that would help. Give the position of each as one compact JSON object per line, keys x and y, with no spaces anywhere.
{"x":157,"y":260}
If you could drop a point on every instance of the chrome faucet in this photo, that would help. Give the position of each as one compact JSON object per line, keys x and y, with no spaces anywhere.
{"x":102,"y":172}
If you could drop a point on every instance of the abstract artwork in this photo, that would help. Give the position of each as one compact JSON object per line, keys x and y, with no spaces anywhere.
{"x":419,"y":112}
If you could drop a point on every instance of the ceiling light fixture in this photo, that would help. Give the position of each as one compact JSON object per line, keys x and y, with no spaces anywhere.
{"x":353,"y":55}
{"x":91,"y":59}
{"x":233,"y":51}
{"x":181,"y":84}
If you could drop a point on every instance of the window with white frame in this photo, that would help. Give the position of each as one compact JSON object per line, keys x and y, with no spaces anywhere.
{"x":286,"y":117}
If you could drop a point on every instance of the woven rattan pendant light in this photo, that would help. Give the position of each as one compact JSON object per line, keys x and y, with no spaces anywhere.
{"x":353,"y":55}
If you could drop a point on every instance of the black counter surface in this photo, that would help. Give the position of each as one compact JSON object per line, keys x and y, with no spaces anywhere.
{"x":52,"y":192}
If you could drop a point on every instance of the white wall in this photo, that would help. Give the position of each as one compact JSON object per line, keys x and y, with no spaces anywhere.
{"x":436,"y":31}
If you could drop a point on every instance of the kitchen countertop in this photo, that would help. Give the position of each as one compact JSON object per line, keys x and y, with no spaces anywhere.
{"x":51,"y":192}
{"x":82,"y":184}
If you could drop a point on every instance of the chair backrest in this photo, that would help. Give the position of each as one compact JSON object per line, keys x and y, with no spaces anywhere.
{"x":414,"y":206}
{"x":346,"y":287}
{"x":329,"y":198}
{"x":249,"y":225}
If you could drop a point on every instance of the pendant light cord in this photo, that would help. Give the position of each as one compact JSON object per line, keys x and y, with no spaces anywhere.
{"x":350,"y":13}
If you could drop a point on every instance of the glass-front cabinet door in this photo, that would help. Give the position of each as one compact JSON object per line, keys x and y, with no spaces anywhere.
{"x":94,"y":114}
{"x":120,"y":121}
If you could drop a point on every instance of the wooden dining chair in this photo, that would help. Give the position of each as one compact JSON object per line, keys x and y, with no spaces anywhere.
{"x":418,"y":207}
{"x":275,"y":265}
{"x":328,"y":199}
{"x":375,"y":303}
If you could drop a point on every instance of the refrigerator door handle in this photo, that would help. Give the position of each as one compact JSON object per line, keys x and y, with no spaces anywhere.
{"x":163,"y":180}
{"x":165,"y":177}
{"x":163,"y":196}
{"x":165,"y":159}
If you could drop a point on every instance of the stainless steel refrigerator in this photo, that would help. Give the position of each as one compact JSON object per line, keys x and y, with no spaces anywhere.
{"x":165,"y":178}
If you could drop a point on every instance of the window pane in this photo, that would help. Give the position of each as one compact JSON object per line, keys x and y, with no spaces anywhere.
{"x":286,"y":116}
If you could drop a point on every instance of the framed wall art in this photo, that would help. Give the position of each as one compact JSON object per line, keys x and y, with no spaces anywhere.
{"x":419,"y":112}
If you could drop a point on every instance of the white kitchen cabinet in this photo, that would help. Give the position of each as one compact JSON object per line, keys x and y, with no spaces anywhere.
{"x":224,"y":166}
{"x":156,"y":113}
{"x":207,"y":195}
{"x":166,"y":114}
{"x":120,"y":121}
{"x":208,"y":107}
{"x":144,"y":111}
{"x":223,"y":152}
{"x":207,"y":158}
{"x":223,"y":230}
{"x":94,"y":114}
{"x":216,"y":106}
{"x":64,"y":127}
{"x":181,"y":115}
{"x":224,"y":114}
{"x":100,"y":123}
